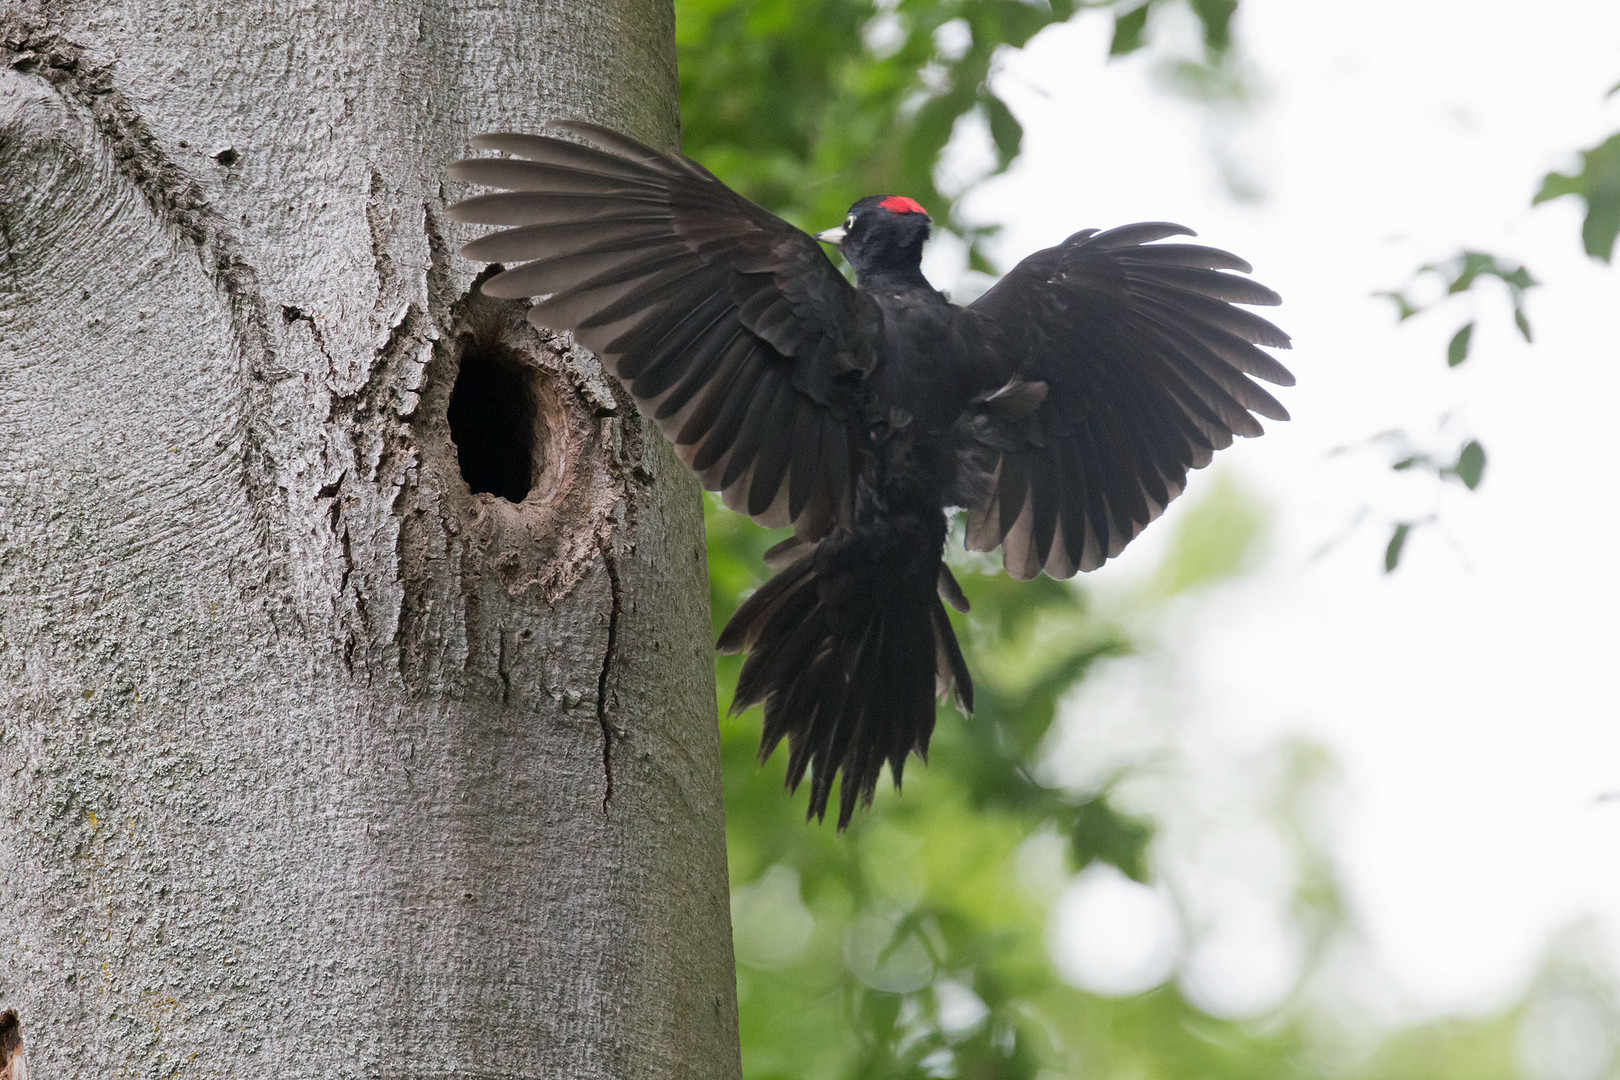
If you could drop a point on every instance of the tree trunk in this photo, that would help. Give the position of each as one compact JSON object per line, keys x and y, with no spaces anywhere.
{"x":356,"y":705}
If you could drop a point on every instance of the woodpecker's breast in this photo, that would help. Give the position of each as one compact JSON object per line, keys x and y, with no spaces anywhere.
{"x":920,"y":371}
{"x":918,"y":389}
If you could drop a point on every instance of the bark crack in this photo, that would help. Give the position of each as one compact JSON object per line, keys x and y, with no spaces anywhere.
{"x":440,"y":254}
{"x":503,"y":666}
{"x":611,"y":562}
{"x":291,"y":314}
{"x":379,"y":223}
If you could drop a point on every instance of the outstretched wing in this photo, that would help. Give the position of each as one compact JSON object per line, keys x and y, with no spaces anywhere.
{"x":1146,"y":368}
{"x":727,"y":325}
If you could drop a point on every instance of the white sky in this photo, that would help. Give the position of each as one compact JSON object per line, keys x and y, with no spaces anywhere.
{"x":1471,"y":696}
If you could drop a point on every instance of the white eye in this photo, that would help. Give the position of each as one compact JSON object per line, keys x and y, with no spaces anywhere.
{"x":849,"y":222}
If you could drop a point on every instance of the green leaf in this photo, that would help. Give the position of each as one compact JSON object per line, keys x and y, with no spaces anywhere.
{"x":1598,"y":183}
{"x":1397,"y":541}
{"x":1404,"y":308}
{"x":1099,"y":833}
{"x":1129,"y":31}
{"x":1216,"y":15}
{"x":1521,"y":322}
{"x":1457,"y":351}
{"x":1462,"y":272}
{"x":1470,"y":467}
{"x":1517,"y":279}
{"x":1005,"y":130}
{"x":1469,"y":268}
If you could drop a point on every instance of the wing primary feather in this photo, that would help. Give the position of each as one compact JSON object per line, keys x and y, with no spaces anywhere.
{"x":1075,"y":495}
{"x":1198,"y":309}
{"x":517,"y":174}
{"x":705,"y":365}
{"x":658,"y":336}
{"x":1137,"y":234}
{"x":1189,"y":256}
{"x":712,"y":393}
{"x":1013,"y":489}
{"x":1244,"y":356}
{"x":558,"y":205}
{"x":1125,"y":493}
{"x":775,"y":452}
{"x":1098,"y":490}
{"x":550,"y":240}
{"x":677,"y":358}
{"x":805,"y":449}
{"x":753,"y":430}
{"x":1233,"y":387}
{"x":1044,"y":501}
{"x":1211,"y":284}
{"x":575,"y":275}
{"x":739,"y":397}
{"x":551,"y":148}
{"x":624,"y":146}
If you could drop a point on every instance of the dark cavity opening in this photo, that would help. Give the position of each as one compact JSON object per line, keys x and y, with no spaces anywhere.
{"x":492,"y":420}
{"x":10,"y":1044}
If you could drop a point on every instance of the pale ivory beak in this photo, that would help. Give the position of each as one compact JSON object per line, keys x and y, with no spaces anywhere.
{"x":834,"y":237}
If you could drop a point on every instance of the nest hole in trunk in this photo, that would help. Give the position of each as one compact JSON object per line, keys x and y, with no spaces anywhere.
{"x":495,"y":424}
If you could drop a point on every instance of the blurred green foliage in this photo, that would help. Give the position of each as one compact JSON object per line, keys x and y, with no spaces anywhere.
{"x":919,"y":943}
{"x":916,"y":944}
{"x":805,"y":106}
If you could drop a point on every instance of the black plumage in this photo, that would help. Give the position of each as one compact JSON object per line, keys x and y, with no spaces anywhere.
{"x":1063,"y":409}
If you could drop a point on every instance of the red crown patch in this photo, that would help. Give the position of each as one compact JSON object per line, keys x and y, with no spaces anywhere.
{"x":899,"y":204}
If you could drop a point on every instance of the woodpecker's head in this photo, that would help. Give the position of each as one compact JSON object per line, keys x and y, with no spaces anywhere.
{"x":881,"y":233}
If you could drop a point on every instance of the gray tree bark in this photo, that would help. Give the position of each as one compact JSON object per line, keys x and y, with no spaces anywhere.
{"x":313,"y":761}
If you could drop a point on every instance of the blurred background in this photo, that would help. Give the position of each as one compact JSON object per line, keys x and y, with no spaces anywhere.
{"x":1322,"y":776}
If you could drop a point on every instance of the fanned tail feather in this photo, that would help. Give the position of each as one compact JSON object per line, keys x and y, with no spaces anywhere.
{"x":848,"y":647}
